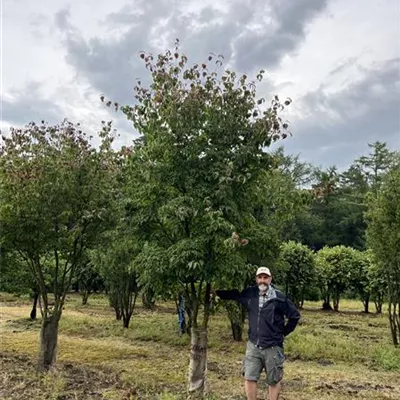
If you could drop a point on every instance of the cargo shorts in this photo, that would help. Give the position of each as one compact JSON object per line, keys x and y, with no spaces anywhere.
{"x":256,"y":359}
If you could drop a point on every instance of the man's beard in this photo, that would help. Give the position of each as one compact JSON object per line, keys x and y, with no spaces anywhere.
{"x":263,"y":288}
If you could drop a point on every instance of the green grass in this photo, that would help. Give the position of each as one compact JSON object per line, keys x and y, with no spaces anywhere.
{"x":330,"y":355}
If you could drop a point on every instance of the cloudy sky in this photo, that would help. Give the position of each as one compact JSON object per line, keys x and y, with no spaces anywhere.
{"x":339,"y":60}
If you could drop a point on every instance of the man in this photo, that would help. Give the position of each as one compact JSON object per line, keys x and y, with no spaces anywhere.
{"x":267,"y":308}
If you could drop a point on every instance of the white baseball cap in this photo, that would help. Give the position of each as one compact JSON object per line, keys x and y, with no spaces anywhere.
{"x":263,"y":270}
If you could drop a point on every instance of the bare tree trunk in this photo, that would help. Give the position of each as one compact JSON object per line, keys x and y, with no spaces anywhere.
{"x":236,"y":318}
{"x":115,"y":304}
{"x":85,"y":296}
{"x":378,"y":306}
{"x":366,"y":304}
{"x":336,"y":299}
{"x":48,"y":341}
{"x":148,"y":300}
{"x":326,"y":304}
{"x":197,"y":384}
{"x":394,"y":319}
{"x":126,"y":319}
{"x":34,"y":306}
{"x":236,"y":331}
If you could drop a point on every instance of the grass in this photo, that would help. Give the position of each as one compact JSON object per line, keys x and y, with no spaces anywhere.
{"x":329,"y":356}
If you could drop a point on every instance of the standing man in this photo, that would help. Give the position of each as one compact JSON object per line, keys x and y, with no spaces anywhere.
{"x":267,"y":308}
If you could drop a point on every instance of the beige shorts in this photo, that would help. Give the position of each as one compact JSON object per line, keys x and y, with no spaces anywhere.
{"x":271,"y":359}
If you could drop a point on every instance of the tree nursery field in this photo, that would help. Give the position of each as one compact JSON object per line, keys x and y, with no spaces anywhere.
{"x":331,"y":355}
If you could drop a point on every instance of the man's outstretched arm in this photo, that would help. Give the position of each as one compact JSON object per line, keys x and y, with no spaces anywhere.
{"x":228,"y":294}
{"x":241,"y":297}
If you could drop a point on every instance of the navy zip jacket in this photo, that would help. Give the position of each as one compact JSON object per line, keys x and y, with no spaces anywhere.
{"x":267,"y":326}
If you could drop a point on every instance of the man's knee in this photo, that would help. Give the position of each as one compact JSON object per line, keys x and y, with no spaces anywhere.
{"x":275,"y":363}
{"x":252,"y":364}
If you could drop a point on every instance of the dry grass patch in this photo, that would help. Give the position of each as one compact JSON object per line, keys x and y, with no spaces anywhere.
{"x":340,"y":356}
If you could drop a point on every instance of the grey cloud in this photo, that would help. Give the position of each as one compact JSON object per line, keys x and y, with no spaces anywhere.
{"x":367,"y":111}
{"x":27,"y":105}
{"x":282,"y":33}
{"x":61,"y":19}
{"x":111,"y":65}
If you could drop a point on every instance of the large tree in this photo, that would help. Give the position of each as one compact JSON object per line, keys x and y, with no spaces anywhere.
{"x":55,"y":189}
{"x":196,"y":173}
{"x":383,"y":236}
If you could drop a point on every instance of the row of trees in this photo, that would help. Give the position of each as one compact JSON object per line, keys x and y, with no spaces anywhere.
{"x":328,"y":274}
{"x":194,"y":204}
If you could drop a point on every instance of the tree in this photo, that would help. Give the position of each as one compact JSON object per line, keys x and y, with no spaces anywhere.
{"x":301,"y":173}
{"x":55,"y":189}
{"x":360,"y":277}
{"x":334,"y":266}
{"x":296,"y":270}
{"x":116,"y":264}
{"x":88,"y":278}
{"x":377,"y":282}
{"x":195,"y":175}
{"x":383,"y":236}
{"x":376,"y":164}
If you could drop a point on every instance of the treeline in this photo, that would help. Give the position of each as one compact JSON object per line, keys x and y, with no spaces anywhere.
{"x":194,"y":204}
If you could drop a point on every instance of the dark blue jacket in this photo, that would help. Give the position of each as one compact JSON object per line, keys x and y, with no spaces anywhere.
{"x":267,"y":326}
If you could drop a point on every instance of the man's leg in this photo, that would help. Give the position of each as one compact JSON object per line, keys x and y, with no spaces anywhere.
{"x":251,"y":389}
{"x":274,"y":359}
{"x":252,"y":367}
{"x":273,"y":391}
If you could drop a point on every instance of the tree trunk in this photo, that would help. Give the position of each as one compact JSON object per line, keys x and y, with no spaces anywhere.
{"x":366,"y":304}
{"x":48,"y":341}
{"x":34,"y":306}
{"x":378,"y":306}
{"x":326,"y":305}
{"x":394,"y":320}
{"x":198,"y":362}
{"x":336,"y":299}
{"x":85,"y":296}
{"x":148,"y":300}
{"x":113,"y":300}
{"x":336,"y":305}
{"x":237,"y":331}
{"x":126,"y":319}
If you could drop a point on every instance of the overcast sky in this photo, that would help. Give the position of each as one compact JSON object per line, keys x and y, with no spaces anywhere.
{"x":339,"y":60}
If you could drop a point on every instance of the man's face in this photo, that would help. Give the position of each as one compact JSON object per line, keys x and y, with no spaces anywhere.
{"x":263,"y":279}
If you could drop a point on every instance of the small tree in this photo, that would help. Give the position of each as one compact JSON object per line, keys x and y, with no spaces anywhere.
{"x":334,"y":265}
{"x":383,"y":217}
{"x":377,"y":282}
{"x":55,"y":189}
{"x":88,"y":279}
{"x":360,"y":279}
{"x":117,"y":268}
{"x":296,"y":270}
